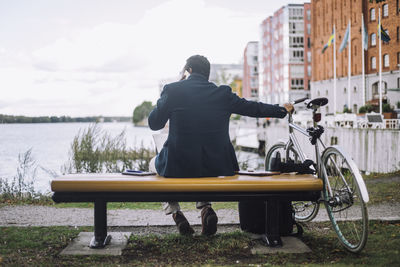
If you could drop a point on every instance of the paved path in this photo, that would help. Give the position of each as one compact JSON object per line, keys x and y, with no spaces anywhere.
{"x":49,"y":216}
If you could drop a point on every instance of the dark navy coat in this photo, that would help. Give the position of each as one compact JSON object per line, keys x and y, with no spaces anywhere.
{"x":198,"y":111}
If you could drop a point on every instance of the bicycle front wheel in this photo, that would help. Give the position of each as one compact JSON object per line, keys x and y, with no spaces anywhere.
{"x":343,"y":200}
{"x":304,"y":211}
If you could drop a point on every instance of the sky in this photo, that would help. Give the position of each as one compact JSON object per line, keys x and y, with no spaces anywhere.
{"x":98,"y":57}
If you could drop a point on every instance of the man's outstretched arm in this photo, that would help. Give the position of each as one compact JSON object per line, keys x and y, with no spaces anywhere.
{"x":257,"y":109}
{"x":160,"y":114}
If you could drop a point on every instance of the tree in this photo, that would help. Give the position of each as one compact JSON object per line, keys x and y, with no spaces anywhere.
{"x":142,"y":111}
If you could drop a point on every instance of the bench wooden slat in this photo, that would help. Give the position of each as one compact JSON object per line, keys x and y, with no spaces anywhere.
{"x":237,"y":183}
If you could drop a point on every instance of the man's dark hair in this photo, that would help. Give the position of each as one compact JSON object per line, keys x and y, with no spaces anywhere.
{"x":198,"y":64}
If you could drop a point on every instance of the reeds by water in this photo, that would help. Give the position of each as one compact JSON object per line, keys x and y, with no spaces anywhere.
{"x":96,"y":151}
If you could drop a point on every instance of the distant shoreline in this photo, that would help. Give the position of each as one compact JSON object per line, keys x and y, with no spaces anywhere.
{"x":8,"y":119}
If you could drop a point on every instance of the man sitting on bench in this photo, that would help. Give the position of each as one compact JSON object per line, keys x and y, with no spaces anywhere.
{"x":198,"y":143}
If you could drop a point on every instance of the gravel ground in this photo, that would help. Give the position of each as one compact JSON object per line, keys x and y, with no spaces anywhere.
{"x":50,"y":216}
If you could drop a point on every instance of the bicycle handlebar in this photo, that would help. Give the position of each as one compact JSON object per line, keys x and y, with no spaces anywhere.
{"x":299,"y":100}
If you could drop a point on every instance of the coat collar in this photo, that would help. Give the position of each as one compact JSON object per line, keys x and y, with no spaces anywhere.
{"x":197,"y":76}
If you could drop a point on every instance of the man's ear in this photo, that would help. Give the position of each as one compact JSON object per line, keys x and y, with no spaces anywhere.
{"x":190,"y":70}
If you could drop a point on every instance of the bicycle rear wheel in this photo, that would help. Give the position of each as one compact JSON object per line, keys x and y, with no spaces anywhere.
{"x":344,"y":201}
{"x":305,"y":211}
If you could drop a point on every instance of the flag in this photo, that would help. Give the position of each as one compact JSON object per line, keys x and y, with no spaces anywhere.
{"x":384,"y":36}
{"x":365,"y":36}
{"x":330,"y":41}
{"x":345,"y":39}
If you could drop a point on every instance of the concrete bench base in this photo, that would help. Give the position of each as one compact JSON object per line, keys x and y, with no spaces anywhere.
{"x":79,"y":245}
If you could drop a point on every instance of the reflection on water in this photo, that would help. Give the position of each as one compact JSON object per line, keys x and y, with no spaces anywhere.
{"x":50,"y":143}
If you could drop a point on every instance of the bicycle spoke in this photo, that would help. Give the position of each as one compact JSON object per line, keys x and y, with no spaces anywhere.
{"x":338,"y":169}
{"x":344,"y":204}
{"x":304,"y":210}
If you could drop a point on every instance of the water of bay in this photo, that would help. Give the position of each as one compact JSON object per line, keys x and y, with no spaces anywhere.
{"x":50,"y":144}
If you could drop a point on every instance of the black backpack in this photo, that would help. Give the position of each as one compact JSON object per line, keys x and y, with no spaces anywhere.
{"x":252,"y":217}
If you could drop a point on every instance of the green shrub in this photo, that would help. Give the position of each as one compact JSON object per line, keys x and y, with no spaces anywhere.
{"x":96,"y":151}
{"x":362,"y":109}
{"x":367,"y":109}
{"x":21,"y":187}
{"x":346,"y":110}
{"x":387,"y":108}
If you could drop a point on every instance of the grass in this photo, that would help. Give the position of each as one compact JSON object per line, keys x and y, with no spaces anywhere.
{"x":383,"y":188}
{"x":38,"y":246}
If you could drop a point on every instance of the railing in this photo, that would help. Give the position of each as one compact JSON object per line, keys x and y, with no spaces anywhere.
{"x":392,"y":123}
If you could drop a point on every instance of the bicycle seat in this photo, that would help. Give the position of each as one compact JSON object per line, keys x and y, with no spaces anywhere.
{"x":317,"y":102}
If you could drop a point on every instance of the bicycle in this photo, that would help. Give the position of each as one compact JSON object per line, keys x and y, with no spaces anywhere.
{"x":344,"y":191}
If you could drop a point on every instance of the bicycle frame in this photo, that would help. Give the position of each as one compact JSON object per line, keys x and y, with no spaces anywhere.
{"x":293,"y":140}
{"x":321,"y":172}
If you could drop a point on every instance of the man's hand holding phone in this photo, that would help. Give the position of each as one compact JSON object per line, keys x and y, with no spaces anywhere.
{"x":184,"y":74}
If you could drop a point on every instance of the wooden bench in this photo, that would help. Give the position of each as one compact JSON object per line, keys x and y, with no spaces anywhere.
{"x":103,"y":188}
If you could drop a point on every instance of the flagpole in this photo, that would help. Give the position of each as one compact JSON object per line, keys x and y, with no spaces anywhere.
{"x":380,"y":63}
{"x":362,"y":58}
{"x":334,"y":70}
{"x":349,"y":69}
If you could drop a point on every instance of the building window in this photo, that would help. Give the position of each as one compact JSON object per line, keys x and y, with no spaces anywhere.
{"x":373,"y":63}
{"x":308,"y":14}
{"x":398,"y":83}
{"x":398,"y":33}
{"x":309,"y":70}
{"x":386,"y":60}
{"x":355,"y":89}
{"x":398,"y":57}
{"x":385,"y":10}
{"x":326,"y":92}
{"x":308,"y":28}
{"x":297,"y":84}
{"x":299,"y":55}
{"x":345,"y":90}
{"x":296,"y":42}
{"x":318,"y":93}
{"x":373,"y":39}
{"x":372,"y":14}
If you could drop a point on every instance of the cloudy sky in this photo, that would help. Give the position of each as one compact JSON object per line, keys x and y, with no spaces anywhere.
{"x":98,"y":57}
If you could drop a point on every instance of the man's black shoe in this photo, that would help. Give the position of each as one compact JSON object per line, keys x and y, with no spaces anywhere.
{"x":209,"y":221}
{"x":182,"y":223}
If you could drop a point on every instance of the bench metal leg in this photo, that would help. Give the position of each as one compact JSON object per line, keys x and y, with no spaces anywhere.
{"x":100,"y":239}
{"x":272,"y":237}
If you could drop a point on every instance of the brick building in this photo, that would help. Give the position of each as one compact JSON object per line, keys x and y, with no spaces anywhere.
{"x":284,"y":54}
{"x":250,"y":71}
{"x":325,"y":14}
